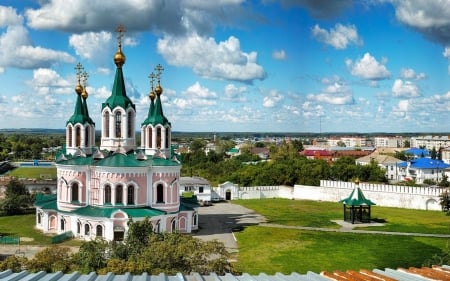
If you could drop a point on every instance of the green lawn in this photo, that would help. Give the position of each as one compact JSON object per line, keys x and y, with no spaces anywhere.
{"x":320,"y":214}
{"x":271,"y":250}
{"x":33,"y":172}
{"x":23,"y":226}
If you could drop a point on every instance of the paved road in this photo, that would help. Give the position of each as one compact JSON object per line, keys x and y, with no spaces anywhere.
{"x":218,"y":221}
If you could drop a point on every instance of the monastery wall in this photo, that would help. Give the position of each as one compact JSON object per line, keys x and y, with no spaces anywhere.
{"x":408,"y":197}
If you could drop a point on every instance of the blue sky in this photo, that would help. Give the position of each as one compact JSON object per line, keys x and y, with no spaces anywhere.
{"x":232,"y":65}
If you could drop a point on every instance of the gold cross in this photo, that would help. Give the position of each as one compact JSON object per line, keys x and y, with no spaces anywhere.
{"x":152,"y":77}
{"x":120,"y":30}
{"x":79,"y":68}
{"x":159,"y":69}
{"x":85,"y":77}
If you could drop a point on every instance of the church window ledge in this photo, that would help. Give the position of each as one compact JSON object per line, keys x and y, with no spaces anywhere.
{"x":75,"y":202}
{"x":107,"y":204}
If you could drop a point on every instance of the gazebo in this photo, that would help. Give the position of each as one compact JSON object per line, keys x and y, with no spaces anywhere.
{"x":357,"y":207}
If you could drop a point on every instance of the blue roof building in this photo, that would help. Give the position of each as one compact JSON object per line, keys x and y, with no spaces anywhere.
{"x":421,"y":169}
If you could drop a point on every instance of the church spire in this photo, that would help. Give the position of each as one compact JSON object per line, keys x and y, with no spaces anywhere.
{"x":158,"y":114}
{"x":80,"y":129}
{"x":156,"y":129}
{"x":118,"y":111}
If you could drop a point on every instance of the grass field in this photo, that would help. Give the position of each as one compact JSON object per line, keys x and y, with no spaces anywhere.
{"x":33,"y":172}
{"x":23,"y":226}
{"x":271,"y":250}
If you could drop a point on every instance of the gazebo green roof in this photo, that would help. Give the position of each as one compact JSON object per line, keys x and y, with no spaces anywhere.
{"x":357,"y":198}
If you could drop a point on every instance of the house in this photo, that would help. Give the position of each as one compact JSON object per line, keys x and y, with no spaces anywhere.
{"x":421,"y":169}
{"x":317,"y":153}
{"x":100,"y":189}
{"x":388,"y":163}
{"x":199,"y":187}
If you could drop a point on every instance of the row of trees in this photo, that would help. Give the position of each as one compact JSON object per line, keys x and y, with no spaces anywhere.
{"x":142,"y":251}
{"x":286,"y":167}
{"x":27,"y":146}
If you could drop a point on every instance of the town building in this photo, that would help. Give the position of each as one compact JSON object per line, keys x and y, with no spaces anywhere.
{"x":100,"y":189}
{"x":421,"y":169}
{"x":429,"y":142}
{"x":197,"y":186}
{"x":388,"y":163}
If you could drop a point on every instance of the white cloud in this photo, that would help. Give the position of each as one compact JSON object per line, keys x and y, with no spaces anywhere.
{"x":47,"y":81}
{"x":196,"y":96}
{"x":168,"y":17}
{"x":405,"y":89}
{"x":432,"y":18}
{"x":209,"y":59}
{"x":402,"y":109}
{"x":335,"y":92}
{"x":409,"y":73}
{"x":368,"y":68}
{"x":339,"y":37}
{"x":9,"y":16}
{"x":272,"y":99}
{"x":446,"y":52}
{"x":234,"y":93}
{"x":279,"y":55}
{"x":91,"y":46}
{"x":16,"y":50}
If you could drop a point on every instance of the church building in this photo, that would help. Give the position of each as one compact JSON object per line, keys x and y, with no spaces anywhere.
{"x":99,"y":189}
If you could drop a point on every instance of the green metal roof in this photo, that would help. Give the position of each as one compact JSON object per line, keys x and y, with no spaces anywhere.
{"x":123,"y":160}
{"x":155,"y":114}
{"x":80,"y":114}
{"x":106,"y":212}
{"x":116,"y":160}
{"x":357,"y":198}
{"x":119,"y":95}
{"x":46,"y":201}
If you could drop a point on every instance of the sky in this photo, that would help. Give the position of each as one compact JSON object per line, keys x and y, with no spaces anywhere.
{"x":310,"y":66}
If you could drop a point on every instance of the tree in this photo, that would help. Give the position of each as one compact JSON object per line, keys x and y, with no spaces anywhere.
{"x":51,"y":259}
{"x":138,"y":235}
{"x":444,"y":201}
{"x":17,"y":198}
{"x":91,"y":256}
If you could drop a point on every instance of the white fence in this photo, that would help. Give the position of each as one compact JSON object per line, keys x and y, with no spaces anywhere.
{"x":409,"y":197}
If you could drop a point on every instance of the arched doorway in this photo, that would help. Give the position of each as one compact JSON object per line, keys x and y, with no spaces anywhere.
{"x":228,"y":195}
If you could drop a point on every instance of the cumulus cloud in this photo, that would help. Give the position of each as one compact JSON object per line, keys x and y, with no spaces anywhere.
{"x":171,"y":17}
{"x":335,"y":92}
{"x":16,"y":50}
{"x":368,"y":68}
{"x":339,"y":37}
{"x":405,"y":89}
{"x":409,"y":73}
{"x":224,"y":60}
{"x":272,"y":99}
{"x":319,"y":8}
{"x":431,"y":18}
{"x":234,"y":93}
{"x":89,"y":45}
{"x":196,"y":96}
{"x":9,"y":16}
{"x":279,"y":55}
{"x":47,"y":81}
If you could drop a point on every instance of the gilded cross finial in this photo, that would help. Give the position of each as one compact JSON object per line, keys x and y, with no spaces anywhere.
{"x":120,"y":31}
{"x":159,"y":69}
{"x":84,"y":77}
{"x":152,"y":77}
{"x":79,"y":68}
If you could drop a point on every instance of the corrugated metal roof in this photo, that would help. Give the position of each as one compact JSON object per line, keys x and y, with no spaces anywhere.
{"x":388,"y":274}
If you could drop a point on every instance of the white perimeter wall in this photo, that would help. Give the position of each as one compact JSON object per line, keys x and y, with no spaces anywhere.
{"x":408,"y":197}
